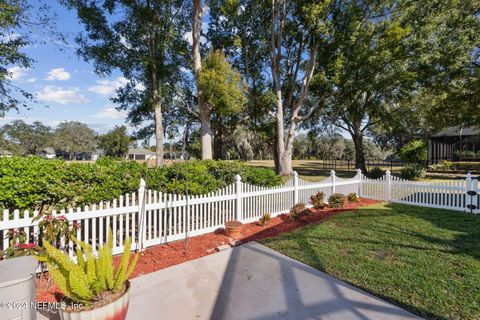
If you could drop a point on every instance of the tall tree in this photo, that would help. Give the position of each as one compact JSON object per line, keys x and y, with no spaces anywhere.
{"x":31,"y":138}
{"x":277,"y":44}
{"x":19,"y":19}
{"x":380,"y":53}
{"x":144,"y":40}
{"x":115,"y":143}
{"x":204,"y":108}
{"x":223,"y":91}
{"x":74,"y":137}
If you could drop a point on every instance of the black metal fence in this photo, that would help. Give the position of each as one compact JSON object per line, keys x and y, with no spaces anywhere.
{"x":349,"y":165}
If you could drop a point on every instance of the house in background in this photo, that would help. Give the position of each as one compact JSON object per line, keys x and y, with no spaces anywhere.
{"x":89,"y":156}
{"x":140,"y":154}
{"x":455,"y":144}
{"x":48,"y":153}
{"x":5,"y":154}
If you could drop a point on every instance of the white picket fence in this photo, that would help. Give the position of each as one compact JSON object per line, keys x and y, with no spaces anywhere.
{"x":460,"y":195}
{"x":150,"y":217}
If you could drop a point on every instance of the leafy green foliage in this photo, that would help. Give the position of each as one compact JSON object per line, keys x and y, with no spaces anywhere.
{"x":221,"y":85}
{"x":317,"y":200}
{"x":460,"y":166}
{"x":36,"y":183}
{"x":337,"y":200}
{"x":30,"y":138}
{"x":414,"y":152}
{"x":115,"y":143}
{"x":74,"y":137}
{"x":376,"y":173}
{"x":413,"y":172}
{"x":84,"y":281}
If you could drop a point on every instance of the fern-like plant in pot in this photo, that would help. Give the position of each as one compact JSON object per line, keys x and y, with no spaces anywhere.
{"x":94,"y":288}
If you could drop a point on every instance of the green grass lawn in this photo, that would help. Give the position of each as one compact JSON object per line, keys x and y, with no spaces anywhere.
{"x":312,"y":170}
{"x":425,"y":260}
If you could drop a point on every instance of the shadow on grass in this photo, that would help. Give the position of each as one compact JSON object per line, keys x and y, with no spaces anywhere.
{"x":417,"y":240}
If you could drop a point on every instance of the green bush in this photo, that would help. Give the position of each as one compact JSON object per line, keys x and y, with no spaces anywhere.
{"x":414,"y":152}
{"x":413,"y":172}
{"x":337,"y":200}
{"x":376,"y":173}
{"x":317,"y":200}
{"x":40,"y":184}
{"x":461,"y":166}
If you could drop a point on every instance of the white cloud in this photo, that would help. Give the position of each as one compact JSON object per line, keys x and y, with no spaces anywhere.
{"x":62,"y":95}
{"x":31,"y":80}
{"x":16,"y":72}
{"x":58,"y":74}
{"x":108,"y":87}
{"x":10,"y":37}
{"x":110,"y":113}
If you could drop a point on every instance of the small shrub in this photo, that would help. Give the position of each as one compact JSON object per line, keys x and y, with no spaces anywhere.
{"x":414,"y":151}
{"x":298,"y":211}
{"x":265,"y":218}
{"x":317,"y":200}
{"x":413,"y":172}
{"x":337,"y":200}
{"x":84,"y":281}
{"x":353,"y":197}
{"x":376,"y":173}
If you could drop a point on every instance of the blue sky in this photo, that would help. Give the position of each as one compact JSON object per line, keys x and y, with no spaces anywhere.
{"x":65,"y":83}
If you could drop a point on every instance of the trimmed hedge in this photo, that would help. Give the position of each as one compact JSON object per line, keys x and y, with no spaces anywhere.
{"x":39,"y":184}
{"x":460,"y":166}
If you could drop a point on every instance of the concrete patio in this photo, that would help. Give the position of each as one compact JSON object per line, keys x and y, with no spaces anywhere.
{"x":252,"y":282}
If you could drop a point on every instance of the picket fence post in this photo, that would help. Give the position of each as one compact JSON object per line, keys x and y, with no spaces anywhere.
{"x":142,"y":234}
{"x":388,"y":185}
{"x":238,"y":190}
{"x":295,"y":188}
{"x":475,"y":197}
{"x":332,"y":174}
{"x":471,"y":194}
{"x":359,"y":177}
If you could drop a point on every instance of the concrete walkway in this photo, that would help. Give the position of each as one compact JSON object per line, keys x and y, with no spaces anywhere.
{"x":251,"y":282}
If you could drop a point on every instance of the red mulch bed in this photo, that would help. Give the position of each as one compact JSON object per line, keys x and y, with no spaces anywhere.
{"x":166,"y":255}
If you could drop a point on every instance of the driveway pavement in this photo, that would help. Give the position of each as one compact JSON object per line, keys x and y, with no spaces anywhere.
{"x":252,"y":282}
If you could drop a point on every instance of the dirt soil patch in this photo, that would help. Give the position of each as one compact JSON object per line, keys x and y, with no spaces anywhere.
{"x":169,"y":254}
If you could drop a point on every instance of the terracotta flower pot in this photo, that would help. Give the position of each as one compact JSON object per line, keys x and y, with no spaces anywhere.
{"x":234,"y":229}
{"x":116,"y":310}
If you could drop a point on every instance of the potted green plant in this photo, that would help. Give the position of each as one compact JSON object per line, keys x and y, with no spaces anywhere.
{"x":93,"y":287}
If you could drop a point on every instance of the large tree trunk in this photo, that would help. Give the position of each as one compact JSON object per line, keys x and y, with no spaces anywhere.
{"x":158,"y":120}
{"x":360,"y":163}
{"x":218,"y":139}
{"x":204,"y":108}
{"x":158,"y":135}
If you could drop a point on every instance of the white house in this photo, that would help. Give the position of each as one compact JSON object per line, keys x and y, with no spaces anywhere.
{"x":47,"y":153}
{"x":140,"y":154}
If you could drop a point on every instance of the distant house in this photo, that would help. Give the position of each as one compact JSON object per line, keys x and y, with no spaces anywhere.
{"x":90,"y":156}
{"x":140,"y":154}
{"x":48,"y":153}
{"x":455,"y":144}
{"x":5,"y":154}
